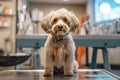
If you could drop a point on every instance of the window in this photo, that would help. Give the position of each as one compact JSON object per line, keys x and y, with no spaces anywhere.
{"x":107,"y":10}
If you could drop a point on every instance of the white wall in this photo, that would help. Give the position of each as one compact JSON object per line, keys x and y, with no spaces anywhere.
{"x":46,"y":8}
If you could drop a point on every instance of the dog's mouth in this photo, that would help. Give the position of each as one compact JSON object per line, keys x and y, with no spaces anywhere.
{"x":60,"y":33}
{"x":60,"y":30}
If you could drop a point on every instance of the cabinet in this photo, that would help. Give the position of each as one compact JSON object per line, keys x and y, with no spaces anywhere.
{"x":8,"y":18}
{"x":6,"y":13}
{"x":8,"y":25}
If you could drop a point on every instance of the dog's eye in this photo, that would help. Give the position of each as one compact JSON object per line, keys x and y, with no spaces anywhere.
{"x":55,"y":20}
{"x":64,"y":19}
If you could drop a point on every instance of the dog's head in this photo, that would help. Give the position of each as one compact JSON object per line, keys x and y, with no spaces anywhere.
{"x":60,"y":22}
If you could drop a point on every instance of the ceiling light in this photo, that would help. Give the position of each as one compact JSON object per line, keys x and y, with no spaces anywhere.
{"x":105,"y":8}
{"x":117,"y":1}
{"x":24,"y":6}
{"x":65,"y":0}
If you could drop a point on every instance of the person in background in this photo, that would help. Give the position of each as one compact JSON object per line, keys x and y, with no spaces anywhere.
{"x":83,"y":30}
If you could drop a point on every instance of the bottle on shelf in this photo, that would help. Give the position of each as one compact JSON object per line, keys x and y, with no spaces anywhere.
{"x":5,"y":23}
{"x":10,"y":11}
{"x":6,"y":10}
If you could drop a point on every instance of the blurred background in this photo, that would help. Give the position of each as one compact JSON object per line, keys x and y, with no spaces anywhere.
{"x":23,"y":17}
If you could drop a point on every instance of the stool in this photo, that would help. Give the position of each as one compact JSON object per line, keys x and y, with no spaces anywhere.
{"x":105,"y":58}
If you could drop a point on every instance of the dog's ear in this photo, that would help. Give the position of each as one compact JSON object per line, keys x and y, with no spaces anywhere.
{"x":45,"y":22}
{"x":74,"y":22}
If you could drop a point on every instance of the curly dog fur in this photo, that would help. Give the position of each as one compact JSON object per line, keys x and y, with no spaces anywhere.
{"x":59,"y":24}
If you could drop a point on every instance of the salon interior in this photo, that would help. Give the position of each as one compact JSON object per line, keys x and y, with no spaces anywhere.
{"x":97,"y":39}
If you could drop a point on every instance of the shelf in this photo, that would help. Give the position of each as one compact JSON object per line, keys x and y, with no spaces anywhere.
{"x":7,"y":15}
{"x":4,"y":26}
{"x":5,"y":0}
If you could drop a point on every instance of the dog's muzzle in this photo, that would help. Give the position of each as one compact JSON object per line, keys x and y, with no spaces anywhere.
{"x":60,"y":27}
{"x":61,"y":38}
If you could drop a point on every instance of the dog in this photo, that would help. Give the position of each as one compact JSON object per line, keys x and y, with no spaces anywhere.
{"x":59,"y":24}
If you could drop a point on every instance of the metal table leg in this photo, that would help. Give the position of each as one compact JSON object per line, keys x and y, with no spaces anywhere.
{"x":87,"y":58}
{"x":20,"y":66}
{"x":94,"y":57}
{"x":106,"y":60}
{"x":37,"y":62}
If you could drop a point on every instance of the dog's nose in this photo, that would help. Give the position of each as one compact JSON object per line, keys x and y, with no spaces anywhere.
{"x":60,"y":27}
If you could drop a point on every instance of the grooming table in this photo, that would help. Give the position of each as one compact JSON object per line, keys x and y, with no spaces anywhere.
{"x":94,"y":41}
{"x":85,"y":74}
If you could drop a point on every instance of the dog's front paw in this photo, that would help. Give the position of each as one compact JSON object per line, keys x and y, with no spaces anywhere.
{"x":47,"y":74}
{"x":75,"y":70}
{"x":68,"y":73}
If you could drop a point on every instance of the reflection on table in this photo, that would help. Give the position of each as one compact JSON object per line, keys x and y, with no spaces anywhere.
{"x":83,"y":74}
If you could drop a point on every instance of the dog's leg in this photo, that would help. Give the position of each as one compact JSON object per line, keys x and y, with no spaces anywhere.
{"x":48,"y":64}
{"x":69,"y":65}
{"x":75,"y":70}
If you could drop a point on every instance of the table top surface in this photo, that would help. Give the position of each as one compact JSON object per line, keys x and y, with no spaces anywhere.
{"x":83,"y":74}
{"x":44,"y":36}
